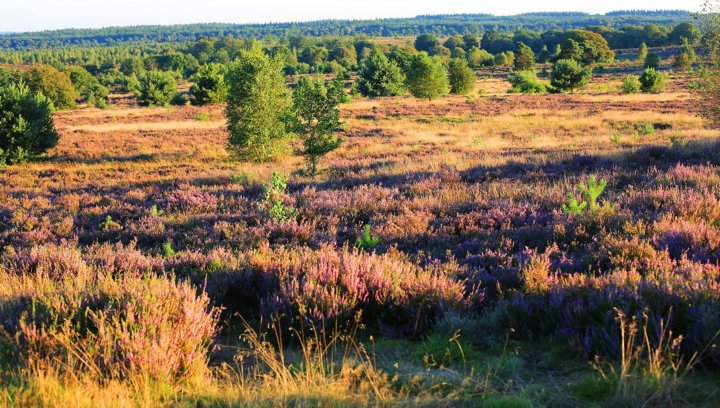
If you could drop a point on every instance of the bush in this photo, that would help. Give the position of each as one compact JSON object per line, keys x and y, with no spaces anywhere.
{"x":630,"y":85}
{"x":26,"y":126}
{"x":685,"y":59}
{"x":652,"y":80}
{"x":54,"y":84}
{"x":568,"y":75}
{"x":462,"y":78}
{"x":209,"y":86}
{"x":652,"y":61}
{"x":527,"y":82}
{"x":427,"y":77}
{"x":157,"y":89}
{"x":257,"y":105}
{"x":378,"y":76}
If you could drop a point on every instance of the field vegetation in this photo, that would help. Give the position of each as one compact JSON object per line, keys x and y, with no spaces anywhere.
{"x":411,"y":229}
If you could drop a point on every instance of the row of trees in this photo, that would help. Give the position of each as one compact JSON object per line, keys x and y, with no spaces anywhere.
{"x":443,"y":25}
{"x":424,"y":76}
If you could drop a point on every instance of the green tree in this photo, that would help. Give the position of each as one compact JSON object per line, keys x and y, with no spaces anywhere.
{"x":88,"y":86}
{"x":685,"y":31}
{"x":455,"y":41}
{"x":524,"y":58}
{"x":594,"y":47}
{"x":652,"y":80}
{"x":378,"y":76}
{"x":427,"y":78}
{"x":461,"y":77}
{"x":570,"y":50}
{"x":133,"y":66}
{"x":568,"y":75}
{"x":257,"y":105}
{"x":652,"y":61}
{"x":315,"y":116}
{"x":685,"y":59}
{"x":642,"y":53}
{"x":427,"y":43}
{"x":157,"y":88}
{"x":710,"y":91}
{"x":477,"y":58}
{"x":54,"y":84}
{"x":209,"y":86}
{"x":470,"y":42}
{"x":26,"y":125}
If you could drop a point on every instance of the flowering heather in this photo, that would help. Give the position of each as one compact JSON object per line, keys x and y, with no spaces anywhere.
{"x":463,"y":198}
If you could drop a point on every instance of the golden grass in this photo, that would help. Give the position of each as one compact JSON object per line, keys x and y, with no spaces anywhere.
{"x":148,"y":126}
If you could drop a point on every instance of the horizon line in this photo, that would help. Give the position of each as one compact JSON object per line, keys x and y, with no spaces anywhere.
{"x":338,"y":19}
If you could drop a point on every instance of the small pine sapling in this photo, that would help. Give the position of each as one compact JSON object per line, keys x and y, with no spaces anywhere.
{"x":366,"y":240}
{"x":592,"y":190}
{"x":573,"y":207}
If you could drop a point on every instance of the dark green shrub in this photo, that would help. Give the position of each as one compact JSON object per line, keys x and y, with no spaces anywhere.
{"x":527,"y":82}
{"x":209,"y":86}
{"x":157,"y":89}
{"x":630,"y":85}
{"x":26,"y":126}
{"x":652,"y":80}
{"x":568,"y":75}
{"x":378,"y":76}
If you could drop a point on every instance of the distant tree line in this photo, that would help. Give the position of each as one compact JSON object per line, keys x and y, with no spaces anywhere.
{"x":442,"y":25}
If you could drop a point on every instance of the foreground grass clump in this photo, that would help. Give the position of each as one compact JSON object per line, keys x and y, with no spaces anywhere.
{"x":63,"y":315}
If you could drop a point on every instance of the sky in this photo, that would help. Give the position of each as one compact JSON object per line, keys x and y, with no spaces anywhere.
{"x":34,"y":15}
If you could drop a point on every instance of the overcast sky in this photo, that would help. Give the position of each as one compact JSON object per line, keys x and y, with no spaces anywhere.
{"x":32,"y":15}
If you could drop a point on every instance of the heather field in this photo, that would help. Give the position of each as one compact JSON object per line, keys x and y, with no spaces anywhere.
{"x":436,"y":260}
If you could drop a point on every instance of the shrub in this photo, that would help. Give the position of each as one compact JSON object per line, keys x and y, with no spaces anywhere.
{"x":427,"y":77}
{"x":527,"y":82}
{"x":54,"y":84}
{"x":257,"y":106}
{"x":209,"y":86}
{"x":630,"y":85}
{"x":461,"y":77}
{"x":652,"y":81}
{"x":568,"y":75}
{"x":652,"y":61}
{"x":26,"y":125}
{"x":378,"y":76}
{"x":157,"y":88}
{"x":685,"y":59}
{"x":316,"y":117}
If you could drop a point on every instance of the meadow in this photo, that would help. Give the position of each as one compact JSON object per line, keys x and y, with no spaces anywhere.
{"x":431,"y":263}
